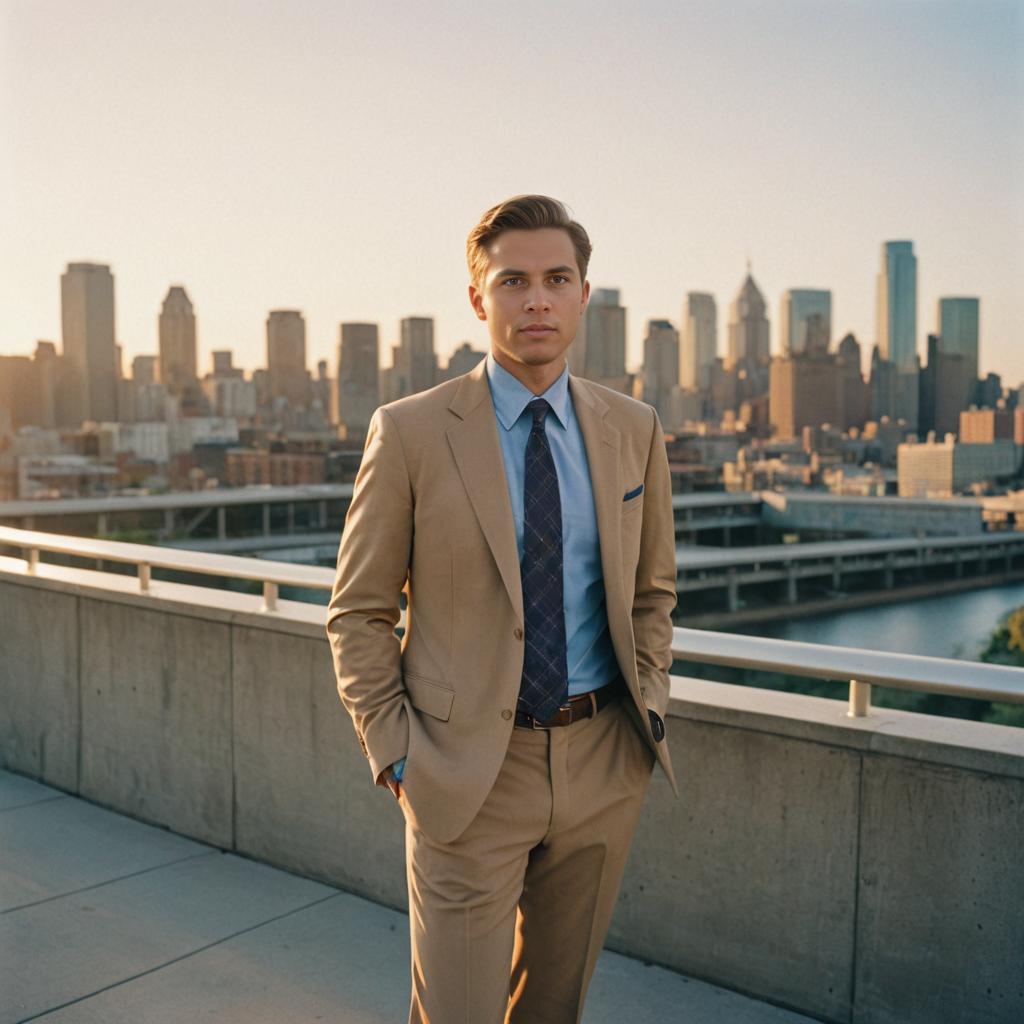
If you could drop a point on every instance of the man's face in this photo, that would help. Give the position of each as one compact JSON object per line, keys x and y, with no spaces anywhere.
{"x":532,"y":278}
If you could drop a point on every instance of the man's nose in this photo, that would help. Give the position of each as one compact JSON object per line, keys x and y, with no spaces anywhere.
{"x":537,"y":299}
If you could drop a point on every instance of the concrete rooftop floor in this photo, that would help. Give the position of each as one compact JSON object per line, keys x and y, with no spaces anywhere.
{"x":107,"y":920}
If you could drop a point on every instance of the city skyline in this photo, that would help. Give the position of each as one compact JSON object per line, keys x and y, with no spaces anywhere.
{"x":685,"y":141}
{"x":778,"y":325}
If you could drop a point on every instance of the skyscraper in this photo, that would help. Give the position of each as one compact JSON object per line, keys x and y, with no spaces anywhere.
{"x":748,"y":348}
{"x":854,"y":398}
{"x":943,"y":389}
{"x":287,"y":376}
{"x":805,"y":391}
{"x":881,"y":387}
{"x":805,"y":321}
{"x":661,"y":367}
{"x":896,"y":307}
{"x":958,"y":329}
{"x":177,"y":329}
{"x":602,"y":356}
{"x":896,"y":303}
{"x":87,"y":322}
{"x":358,"y":376}
{"x":699,"y":341}
{"x":415,"y":362}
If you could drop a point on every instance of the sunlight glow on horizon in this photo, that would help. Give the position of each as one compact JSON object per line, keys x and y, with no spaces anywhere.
{"x":332,"y":159}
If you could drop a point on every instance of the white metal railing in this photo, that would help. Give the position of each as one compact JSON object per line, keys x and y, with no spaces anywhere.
{"x":861,"y":669}
{"x":146,"y":557}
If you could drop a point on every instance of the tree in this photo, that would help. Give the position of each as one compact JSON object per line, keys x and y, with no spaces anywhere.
{"x":1006,"y":647}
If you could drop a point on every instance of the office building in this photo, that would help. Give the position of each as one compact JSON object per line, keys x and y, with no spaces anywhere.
{"x":358,"y":376}
{"x":230,"y":396}
{"x":414,"y":366}
{"x":224,"y":364}
{"x":322,"y":400}
{"x":854,"y":397}
{"x":287,"y":376}
{"x":940,"y":469}
{"x":699,"y":343}
{"x":144,"y":370}
{"x":177,"y":330}
{"x":958,"y":329}
{"x":881,"y":387}
{"x":602,"y":355}
{"x":983,"y":426}
{"x":805,"y":321}
{"x":89,"y":389}
{"x":29,"y":387}
{"x":462,"y":360}
{"x":896,"y":325}
{"x":804,"y":391}
{"x":661,"y":367}
{"x":945,"y":389}
{"x":748,"y":341}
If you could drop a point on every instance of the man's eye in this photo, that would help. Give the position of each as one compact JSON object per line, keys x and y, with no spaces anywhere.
{"x":554,"y":277}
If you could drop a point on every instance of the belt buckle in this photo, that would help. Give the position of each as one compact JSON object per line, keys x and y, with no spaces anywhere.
{"x":537,"y":724}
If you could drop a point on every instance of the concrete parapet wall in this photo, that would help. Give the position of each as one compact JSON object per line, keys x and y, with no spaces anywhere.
{"x":854,"y":870}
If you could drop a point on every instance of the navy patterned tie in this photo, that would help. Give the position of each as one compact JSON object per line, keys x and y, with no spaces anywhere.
{"x":545,"y":684}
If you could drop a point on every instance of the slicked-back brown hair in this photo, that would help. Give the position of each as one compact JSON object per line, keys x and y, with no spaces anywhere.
{"x":525,"y":213}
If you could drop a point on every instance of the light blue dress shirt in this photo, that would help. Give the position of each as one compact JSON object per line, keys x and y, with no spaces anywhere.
{"x":591,"y":658}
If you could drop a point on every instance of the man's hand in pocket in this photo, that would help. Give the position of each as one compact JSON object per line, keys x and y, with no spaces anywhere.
{"x":388,"y":775}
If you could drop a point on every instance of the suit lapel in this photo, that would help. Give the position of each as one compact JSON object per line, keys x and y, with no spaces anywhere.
{"x":477,"y":451}
{"x":602,"y":442}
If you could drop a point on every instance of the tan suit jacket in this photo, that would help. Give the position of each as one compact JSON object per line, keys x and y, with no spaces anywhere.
{"x":431,"y":515}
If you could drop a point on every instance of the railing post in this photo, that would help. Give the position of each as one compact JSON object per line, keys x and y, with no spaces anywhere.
{"x":144,"y":577}
{"x":269,"y":596}
{"x":860,"y":699}
{"x":31,"y":560}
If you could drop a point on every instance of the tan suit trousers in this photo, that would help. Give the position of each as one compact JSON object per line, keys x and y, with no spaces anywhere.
{"x":507,"y":920}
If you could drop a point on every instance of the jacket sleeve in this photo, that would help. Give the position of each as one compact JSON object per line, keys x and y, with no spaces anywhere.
{"x":372,"y":568}
{"x":655,"y":588}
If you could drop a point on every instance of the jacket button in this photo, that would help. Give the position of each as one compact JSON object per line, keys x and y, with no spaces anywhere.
{"x":506,"y":714}
{"x":517,"y":633}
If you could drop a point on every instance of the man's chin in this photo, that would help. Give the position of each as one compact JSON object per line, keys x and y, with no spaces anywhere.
{"x":537,"y":355}
{"x":537,"y":358}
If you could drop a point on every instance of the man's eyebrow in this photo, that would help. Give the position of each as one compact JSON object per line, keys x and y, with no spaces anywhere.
{"x":523,"y":273}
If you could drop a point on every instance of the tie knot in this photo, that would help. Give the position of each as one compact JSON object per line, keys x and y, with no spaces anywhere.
{"x":539,"y":408}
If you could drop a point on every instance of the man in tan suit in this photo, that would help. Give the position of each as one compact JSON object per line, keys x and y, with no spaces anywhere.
{"x":526,"y":514}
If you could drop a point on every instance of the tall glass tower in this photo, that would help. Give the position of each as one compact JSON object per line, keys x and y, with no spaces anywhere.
{"x":897,"y":325}
{"x":897,"y":304}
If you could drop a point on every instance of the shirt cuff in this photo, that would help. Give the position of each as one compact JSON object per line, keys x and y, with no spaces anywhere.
{"x":398,"y":767}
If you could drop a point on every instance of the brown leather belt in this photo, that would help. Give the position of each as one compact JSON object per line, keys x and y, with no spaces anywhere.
{"x":585,"y":705}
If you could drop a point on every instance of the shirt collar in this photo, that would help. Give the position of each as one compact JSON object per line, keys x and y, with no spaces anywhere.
{"x":511,"y":396}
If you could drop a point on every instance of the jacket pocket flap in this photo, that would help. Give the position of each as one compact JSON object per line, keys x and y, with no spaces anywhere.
{"x":429,"y":696}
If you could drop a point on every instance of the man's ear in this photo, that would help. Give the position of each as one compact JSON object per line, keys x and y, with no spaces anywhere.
{"x":586,"y":297}
{"x":476,"y":300}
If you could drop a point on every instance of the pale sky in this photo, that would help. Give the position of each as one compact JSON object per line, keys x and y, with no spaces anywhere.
{"x":333,"y":156}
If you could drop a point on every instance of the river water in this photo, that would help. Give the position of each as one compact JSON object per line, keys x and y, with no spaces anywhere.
{"x":947,"y":626}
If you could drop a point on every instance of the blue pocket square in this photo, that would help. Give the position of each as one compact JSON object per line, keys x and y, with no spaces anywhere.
{"x":632,"y":494}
